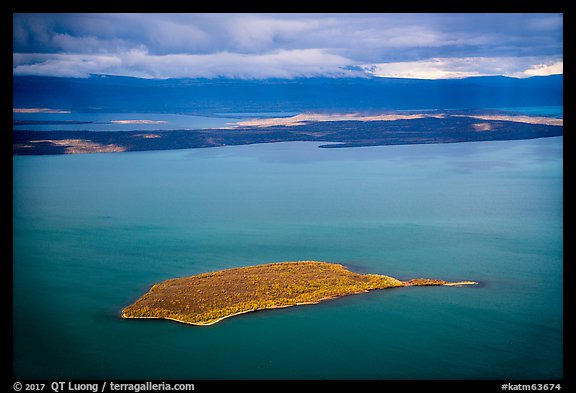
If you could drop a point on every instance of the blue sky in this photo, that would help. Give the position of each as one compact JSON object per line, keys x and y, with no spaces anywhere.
{"x":260,"y":46}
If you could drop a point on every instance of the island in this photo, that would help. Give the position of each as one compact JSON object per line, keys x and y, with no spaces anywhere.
{"x":208,"y":298}
{"x":330,"y":130}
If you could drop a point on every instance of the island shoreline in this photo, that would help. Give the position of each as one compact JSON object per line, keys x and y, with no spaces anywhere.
{"x":330,"y":131}
{"x":181,"y":296}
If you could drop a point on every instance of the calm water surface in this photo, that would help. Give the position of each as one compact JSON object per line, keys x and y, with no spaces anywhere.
{"x":93,"y":232}
{"x":109,"y":121}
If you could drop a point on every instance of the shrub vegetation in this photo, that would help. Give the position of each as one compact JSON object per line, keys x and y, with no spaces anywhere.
{"x":206,"y":298}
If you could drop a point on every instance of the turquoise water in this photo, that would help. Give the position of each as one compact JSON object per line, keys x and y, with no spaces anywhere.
{"x":93,"y":232}
{"x":551,"y":110}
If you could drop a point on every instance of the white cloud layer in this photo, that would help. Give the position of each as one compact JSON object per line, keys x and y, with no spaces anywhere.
{"x":138,"y":63}
{"x":542,"y":70}
{"x":279,"y":64}
{"x":446,"y":68}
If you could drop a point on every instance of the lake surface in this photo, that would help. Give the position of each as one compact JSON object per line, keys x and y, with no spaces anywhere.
{"x":122,"y":121}
{"x":110,"y":121}
{"x":556,"y":111}
{"x":93,"y":232}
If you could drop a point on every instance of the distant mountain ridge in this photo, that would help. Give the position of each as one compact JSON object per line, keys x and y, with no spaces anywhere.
{"x":126,"y":94}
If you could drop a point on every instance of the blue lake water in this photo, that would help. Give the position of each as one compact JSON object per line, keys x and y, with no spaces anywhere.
{"x":93,"y":232}
{"x":551,"y":110}
{"x":105,"y":121}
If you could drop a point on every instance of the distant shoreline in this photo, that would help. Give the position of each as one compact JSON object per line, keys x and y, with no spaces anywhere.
{"x":332,"y":130}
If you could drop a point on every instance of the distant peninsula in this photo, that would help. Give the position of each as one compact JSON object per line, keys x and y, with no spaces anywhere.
{"x":332,"y":130}
{"x":208,"y":298}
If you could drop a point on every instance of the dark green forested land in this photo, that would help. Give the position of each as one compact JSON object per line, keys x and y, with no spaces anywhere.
{"x":335,"y":133}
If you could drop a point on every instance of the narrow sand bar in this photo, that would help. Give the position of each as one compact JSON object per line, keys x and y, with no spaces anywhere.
{"x":304,"y":118}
